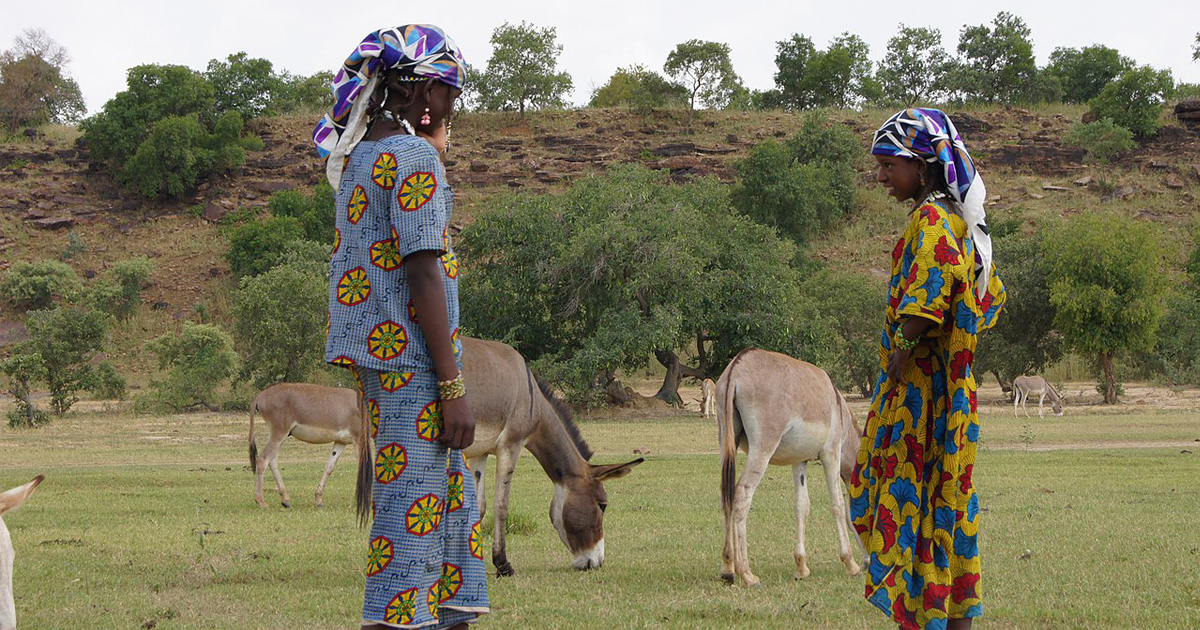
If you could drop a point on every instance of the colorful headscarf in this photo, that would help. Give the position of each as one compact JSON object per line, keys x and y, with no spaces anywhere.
{"x":418,"y":51}
{"x":929,"y":135}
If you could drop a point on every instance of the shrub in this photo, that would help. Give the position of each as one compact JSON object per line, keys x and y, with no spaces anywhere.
{"x":35,"y":285}
{"x":179,"y":151}
{"x":107,"y":383}
{"x":1102,"y":139}
{"x":66,"y":339}
{"x":254,"y":247}
{"x":279,"y":321}
{"x":197,"y":361}
{"x":315,"y":211}
{"x":1135,"y":99}
{"x":121,"y":298}
{"x":802,"y":186}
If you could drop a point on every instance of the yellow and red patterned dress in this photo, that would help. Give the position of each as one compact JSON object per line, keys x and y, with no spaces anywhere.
{"x":911,"y":496}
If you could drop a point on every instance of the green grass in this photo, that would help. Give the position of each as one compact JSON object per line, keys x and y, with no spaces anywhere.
{"x":147,"y":518}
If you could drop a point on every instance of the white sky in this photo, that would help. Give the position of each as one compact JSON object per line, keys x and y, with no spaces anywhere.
{"x":106,"y":37}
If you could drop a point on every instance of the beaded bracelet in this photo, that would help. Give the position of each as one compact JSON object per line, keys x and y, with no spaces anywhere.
{"x":903,"y":343}
{"x":453,"y":388}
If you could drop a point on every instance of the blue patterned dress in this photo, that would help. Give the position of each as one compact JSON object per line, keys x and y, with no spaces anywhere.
{"x":425,"y":563}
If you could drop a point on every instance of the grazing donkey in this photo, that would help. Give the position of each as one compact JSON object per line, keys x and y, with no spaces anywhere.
{"x":10,"y":500}
{"x":781,"y":411}
{"x":512,"y":411}
{"x":310,"y":413}
{"x":708,"y":398}
{"x":1026,"y":386}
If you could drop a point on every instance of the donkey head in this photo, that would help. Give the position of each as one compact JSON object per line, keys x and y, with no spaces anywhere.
{"x":1057,"y":407}
{"x":577,"y":512}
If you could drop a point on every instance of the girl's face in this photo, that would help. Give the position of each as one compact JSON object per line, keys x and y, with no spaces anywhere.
{"x":900,"y":176}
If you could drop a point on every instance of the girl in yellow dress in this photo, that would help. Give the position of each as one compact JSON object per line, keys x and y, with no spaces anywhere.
{"x":911,"y":495}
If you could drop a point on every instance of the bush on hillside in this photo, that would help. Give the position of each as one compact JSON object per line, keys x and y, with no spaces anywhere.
{"x":1134,"y":100}
{"x":316,"y":210}
{"x":196,"y":361}
{"x":106,"y":383}
{"x":120,"y":297}
{"x":65,"y":340}
{"x":254,"y":246}
{"x":179,"y":151}
{"x":1102,"y":139}
{"x":35,"y":285}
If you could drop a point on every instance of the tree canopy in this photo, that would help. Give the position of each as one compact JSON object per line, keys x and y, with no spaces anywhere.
{"x":705,"y":71}
{"x":639,"y":89}
{"x":521,"y":73}
{"x":840,"y":76}
{"x":34,"y":84}
{"x":995,"y":65}
{"x":1083,"y":72}
{"x":914,"y":68}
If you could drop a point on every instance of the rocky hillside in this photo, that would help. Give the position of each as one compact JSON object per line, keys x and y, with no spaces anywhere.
{"x":55,"y":203}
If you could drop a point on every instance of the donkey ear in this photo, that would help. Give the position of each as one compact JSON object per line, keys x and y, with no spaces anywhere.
{"x":614,"y":471}
{"x":14,"y":498}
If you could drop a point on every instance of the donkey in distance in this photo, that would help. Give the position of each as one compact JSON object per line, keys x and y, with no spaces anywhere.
{"x":1026,"y":386}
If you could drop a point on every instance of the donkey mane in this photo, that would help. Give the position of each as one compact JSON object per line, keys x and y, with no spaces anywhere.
{"x":564,"y":416}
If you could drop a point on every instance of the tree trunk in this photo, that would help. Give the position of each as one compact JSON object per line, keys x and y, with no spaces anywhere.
{"x":1007,"y":389}
{"x":30,"y":412}
{"x":676,"y":372}
{"x":701,"y":355}
{"x":1110,"y":381}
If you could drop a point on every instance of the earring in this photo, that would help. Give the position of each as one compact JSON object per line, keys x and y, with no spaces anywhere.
{"x":425,"y":120}
{"x":447,"y":136}
{"x":922,"y":180}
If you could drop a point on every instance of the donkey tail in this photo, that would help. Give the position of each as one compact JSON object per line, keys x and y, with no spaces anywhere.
{"x":728,"y":439}
{"x":362,"y":487}
{"x":253,"y":446}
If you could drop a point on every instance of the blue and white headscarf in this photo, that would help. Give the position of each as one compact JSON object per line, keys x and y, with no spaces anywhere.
{"x":929,"y":135}
{"x":419,"y":51}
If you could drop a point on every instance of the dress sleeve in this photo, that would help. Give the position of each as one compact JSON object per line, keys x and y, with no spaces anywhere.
{"x":934,"y":265}
{"x":421,"y":205}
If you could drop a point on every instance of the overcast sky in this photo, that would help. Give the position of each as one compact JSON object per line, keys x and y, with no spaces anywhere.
{"x":106,"y":37}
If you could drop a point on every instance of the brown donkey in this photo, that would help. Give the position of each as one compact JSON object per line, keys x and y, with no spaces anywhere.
{"x":785,"y":412}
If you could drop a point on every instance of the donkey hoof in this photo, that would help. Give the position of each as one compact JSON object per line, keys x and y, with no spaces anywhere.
{"x":286,"y":504}
{"x":505,"y":570}
{"x":727,"y":578}
{"x":751,"y":581}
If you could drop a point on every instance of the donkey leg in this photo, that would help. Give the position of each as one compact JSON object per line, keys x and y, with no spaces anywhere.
{"x":506,"y":463}
{"x":260,"y":469}
{"x":337,"y":452}
{"x":743,"y":496}
{"x":841,"y":516}
{"x":271,"y":454}
{"x":1041,"y":401}
{"x":478,"y":467}
{"x":799,"y":474}
{"x":727,"y":555}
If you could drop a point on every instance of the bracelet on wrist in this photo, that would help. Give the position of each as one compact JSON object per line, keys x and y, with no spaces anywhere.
{"x":453,"y":388}
{"x":903,"y":343}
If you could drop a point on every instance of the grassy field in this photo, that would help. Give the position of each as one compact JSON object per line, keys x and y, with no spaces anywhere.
{"x":149,"y":522}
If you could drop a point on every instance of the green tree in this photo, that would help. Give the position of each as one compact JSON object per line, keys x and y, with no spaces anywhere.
{"x":624,"y":267}
{"x":802,"y":186}
{"x":1024,"y":340}
{"x":65,"y":339}
{"x":22,"y":368}
{"x":245,"y":85}
{"x":639,"y":89}
{"x":995,"y":64}
{"x":196,"y":362}
{"x":852,"y":303}
{"x":1134,"y":100}
{"x":1083,"y":72}
{"x":312,"y":92}
{"x":152,"y":93}
{"x":254,"y":246}
{"x":279,"y":323}
{"x":914,"y":68}
{"x":840,"y":76}
{"x":34,"y":85}
{"x":35,"y":285}
{"x":1106,"y":285}
{"x":522,"y":71}
{"x":1196,"y":49}
{"x":705,"y":71}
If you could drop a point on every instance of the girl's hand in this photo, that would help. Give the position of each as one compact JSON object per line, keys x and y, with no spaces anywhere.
{"x":896,"y":364}
{"x":458,"y":424}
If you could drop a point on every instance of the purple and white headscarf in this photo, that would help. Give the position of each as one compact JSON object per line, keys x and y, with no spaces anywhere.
{"x":929,"y":135}
{"x":419,"y":51}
